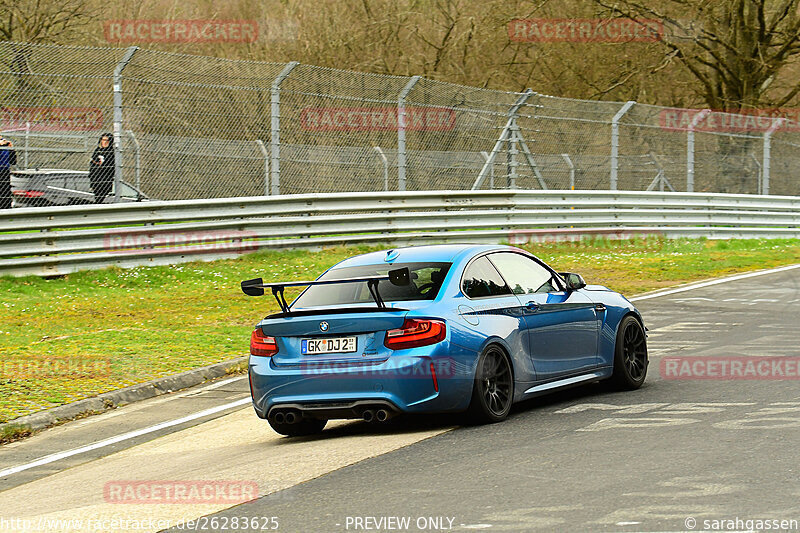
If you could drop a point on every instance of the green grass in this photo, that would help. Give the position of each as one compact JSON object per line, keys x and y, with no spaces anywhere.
{"x":13,"y":432}
{"x":79,"y":335}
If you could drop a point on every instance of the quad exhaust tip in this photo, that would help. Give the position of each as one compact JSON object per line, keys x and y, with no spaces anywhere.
{"x":372,"y":412}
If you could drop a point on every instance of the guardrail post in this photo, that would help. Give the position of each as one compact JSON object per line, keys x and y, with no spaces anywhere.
{"x":690,"y":148}
{"x":615,"y":143}
{"x":275,"y":125}
{"x":138,"y":168}
{"x":401,"y":132}
{"x":776,"y":124}
{"x":265,"y":153}
{"x":118,"y":118}
{"x":385,"y":167}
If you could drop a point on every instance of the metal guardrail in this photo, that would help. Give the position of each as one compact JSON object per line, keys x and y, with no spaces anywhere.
{"x":58,"y":240}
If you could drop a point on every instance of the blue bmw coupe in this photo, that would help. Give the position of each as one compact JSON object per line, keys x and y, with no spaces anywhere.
{"x":434,"y":329}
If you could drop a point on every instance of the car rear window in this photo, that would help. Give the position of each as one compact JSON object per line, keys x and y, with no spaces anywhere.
{"x":426,"y":280}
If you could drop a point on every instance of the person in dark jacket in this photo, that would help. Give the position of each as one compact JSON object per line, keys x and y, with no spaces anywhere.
{"x":101,"y":168}
{"x":8,"y":157}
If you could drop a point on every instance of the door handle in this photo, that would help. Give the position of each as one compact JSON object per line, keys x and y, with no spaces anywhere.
{"x":599,"y":308}
{"x":532,"y":306}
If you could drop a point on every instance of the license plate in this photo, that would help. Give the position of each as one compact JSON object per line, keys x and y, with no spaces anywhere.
{"x":332,"y":345}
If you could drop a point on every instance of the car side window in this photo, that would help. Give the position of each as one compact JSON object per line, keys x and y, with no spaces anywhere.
{"x":481,"y":279}
{"x":525,"y":275}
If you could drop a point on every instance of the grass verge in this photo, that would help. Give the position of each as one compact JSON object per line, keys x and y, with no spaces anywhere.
{"x":73,"y":337}
{"x":13,"y":432}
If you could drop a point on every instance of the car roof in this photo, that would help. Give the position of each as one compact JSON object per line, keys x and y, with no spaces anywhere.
{"x":444,"y":253}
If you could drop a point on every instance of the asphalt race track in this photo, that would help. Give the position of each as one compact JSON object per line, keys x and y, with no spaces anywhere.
{"x":680,"y":454}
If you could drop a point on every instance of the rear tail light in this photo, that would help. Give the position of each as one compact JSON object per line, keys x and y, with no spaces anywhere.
{"x":415,"y":332}
{"x":262,"y":345}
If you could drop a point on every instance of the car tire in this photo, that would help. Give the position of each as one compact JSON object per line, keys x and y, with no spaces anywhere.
{"x":630,"y":355}
{"x":307,"y":426}
{"x":493,"y":388}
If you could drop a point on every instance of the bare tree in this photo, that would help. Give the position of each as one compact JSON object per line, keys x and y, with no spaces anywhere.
{"x":41,"y":21}
{"x":737,"y":50}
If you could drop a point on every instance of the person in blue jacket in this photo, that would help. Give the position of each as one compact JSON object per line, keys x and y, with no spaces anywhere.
{"x":8,"y":157}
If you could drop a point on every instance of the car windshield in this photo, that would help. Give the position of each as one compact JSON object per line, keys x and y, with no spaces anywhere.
{"x":426,"y":280}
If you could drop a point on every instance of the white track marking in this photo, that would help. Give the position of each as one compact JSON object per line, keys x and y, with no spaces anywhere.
{"x":210,"y":387}
{"x":713,"y":282}
{"x":136,"y":406}
{"x":120,"y":438}
{"x":219,"y":384}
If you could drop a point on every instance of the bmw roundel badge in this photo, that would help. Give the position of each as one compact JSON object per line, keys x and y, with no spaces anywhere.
{"x":323,"y":326}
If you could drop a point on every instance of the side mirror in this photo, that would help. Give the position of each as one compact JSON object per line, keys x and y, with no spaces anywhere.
{"x":400,"y":277}
{"x":573,"y":281}
{"x":251,"y":287}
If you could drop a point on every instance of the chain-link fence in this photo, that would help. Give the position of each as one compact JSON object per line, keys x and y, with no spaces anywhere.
{"x":202,"y":127}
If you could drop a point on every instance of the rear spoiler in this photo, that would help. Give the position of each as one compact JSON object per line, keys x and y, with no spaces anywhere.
{"x":255,"y":287}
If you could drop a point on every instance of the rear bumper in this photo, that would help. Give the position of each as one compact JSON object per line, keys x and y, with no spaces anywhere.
{"x":403,"y":383}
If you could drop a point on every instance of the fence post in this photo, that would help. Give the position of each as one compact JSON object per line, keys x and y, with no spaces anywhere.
{"x":615,"y":143}
{"x":491,"y":170}
{"x":511,"y":155}
{"x":690,"y":148}
{"x":768,"y":153}
{"x":571,"y":171}
{"x":275,"y":125}
{"x":118,"y":118}
{"x":138,"y":166}
{"x":265,"y":153}
{"x":27,"y":143}
{"x":758,"y":177}
{"x":401,"y":132}
{"x":385,"y":167}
